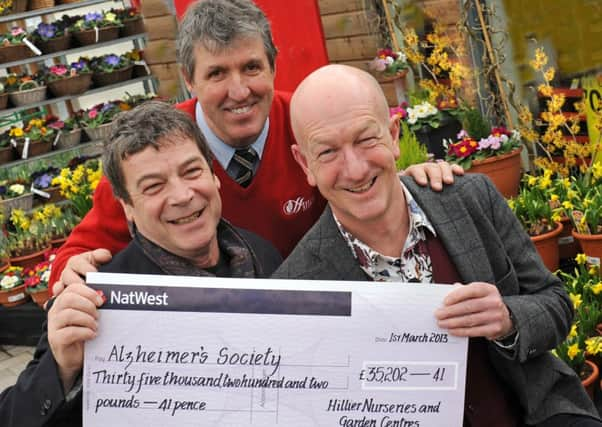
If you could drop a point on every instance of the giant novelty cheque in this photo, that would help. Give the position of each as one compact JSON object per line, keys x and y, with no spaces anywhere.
{"x":182,"y":351}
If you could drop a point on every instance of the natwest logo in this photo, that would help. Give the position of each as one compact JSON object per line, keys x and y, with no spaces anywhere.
{"x":294,"y":206}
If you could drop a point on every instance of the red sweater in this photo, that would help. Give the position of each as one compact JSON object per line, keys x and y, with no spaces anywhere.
{"x":278,"y":205}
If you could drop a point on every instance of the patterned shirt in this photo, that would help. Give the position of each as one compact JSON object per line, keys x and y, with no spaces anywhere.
{"x":414,"y":262}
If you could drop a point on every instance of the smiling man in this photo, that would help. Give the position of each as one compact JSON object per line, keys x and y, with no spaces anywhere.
{"x":159,"y":167}
{"x":228,"y":57}
{"x":378,"y":227}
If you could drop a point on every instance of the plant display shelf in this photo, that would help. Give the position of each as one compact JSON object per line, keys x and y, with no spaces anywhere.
{"x":48,"y":10}
{"x":84,"y":148}
{"x":71,"y":97}
{"x":71,"y":51}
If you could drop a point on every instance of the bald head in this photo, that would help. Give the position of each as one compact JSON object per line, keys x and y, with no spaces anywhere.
{"x":331,"y":90}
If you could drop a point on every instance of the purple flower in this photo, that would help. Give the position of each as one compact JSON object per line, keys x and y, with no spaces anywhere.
{"x":106,"y":107}
{"x":378,"y":64}
{"x":93,"y":17}
{"x":2,"y":189}
{"x":79,"y":65}
{"x":112,"y":60}
{"x":47,"y":31}
{"x":43,"y":181}
{"x":462,"y":134}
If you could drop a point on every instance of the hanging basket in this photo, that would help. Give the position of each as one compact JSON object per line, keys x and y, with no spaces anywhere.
{"x":23,"y":202}
{"x":71,"y":85}
{"x":69,"y":139}
{"x":503,"y":170}
{"x":40,"y":4}
{"x":6,"y":155}
{"x":55,"y":45}
{"x":13,"y":297}
{"x":547,"y":247}
{"x":35,"y":148}
{"x":132,"y":26}
{"x":88,"y":37}
{"x":99,"y":133}
{"x":29,"y":96}
{"x":105,"y":79}
{"x":14,"y":52}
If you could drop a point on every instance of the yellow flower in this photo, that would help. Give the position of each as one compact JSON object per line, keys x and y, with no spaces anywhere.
{"x":532,"y":181}
{"x":567,"y":205}
{"x":16,"y":132}
{"x":549,"y":74}
{"x":597,"y":288}
{"x":573,"y":351}
{"x":576,"y":299}
{"x":554,"y":197}
{"x":581,"y":259}
{"x":573,"y":331}
{"x":110,"y":17}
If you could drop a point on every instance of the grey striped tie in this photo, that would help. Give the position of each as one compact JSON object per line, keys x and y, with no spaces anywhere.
{"x":245,"y":158}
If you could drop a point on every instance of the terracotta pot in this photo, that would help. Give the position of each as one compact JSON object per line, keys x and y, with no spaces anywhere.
{"x":30,"y":260}
{"x":13,"y":297}
{"x":568,"y":246}
{"x":591,"y":382}
{"x":547,"y":247}
{"x":503,"y":170}
{"x":57,"y":243}
{"x":591,"y":245}
{"x":40,"y":297}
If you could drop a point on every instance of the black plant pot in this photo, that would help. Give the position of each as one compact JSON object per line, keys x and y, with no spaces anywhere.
{"x":433,"y":138}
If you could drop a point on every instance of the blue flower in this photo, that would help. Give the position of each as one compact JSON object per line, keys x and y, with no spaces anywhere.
{"x":93,"y":17}
{"x":106,"y":107}
{"x":112,"y":60}
{"x":43,"y":181}
{"x":47,"y":31}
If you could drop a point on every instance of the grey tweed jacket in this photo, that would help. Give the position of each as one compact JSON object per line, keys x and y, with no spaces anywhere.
{"x":486,"y":243}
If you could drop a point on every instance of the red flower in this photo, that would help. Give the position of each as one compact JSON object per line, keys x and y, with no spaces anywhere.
{"x":463,"y":148}
{"x":499,"y":131}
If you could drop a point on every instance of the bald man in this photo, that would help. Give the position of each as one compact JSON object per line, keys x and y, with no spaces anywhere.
{"x":378,"y":227}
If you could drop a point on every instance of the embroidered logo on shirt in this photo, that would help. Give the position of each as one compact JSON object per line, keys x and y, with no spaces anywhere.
{"x":294,"y":206}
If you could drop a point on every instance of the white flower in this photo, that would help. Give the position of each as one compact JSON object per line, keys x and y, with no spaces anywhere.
{"x":17,"y":189}
{"x":45,"y":276}
{"x":401,"y":57}
{"x":412,"y":117}
{"x":8,"y":282}
{"x":389,"y":60}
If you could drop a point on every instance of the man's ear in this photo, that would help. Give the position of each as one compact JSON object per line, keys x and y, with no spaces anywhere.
{"x":394,"y":132}
{"x":218,"y":183}
{"x":187,"y":79}
{"x":127,"y":209}
{"x":302,"y":161}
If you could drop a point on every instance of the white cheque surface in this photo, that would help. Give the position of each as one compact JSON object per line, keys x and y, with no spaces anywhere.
{"x":181,"y":351}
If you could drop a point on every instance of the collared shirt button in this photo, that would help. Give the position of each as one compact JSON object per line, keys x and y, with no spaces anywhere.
{"x":531,"y":351}
{"x":46,"y":406}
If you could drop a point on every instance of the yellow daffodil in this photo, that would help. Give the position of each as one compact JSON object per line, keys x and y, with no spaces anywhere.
{"x":576,"y":299}
{"x":597,"y":288}
{"x":573,"y":331}
{"x":573,"y":351}
{"x":581,"y":259}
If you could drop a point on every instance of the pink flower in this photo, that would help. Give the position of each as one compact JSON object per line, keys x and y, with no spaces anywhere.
{"x":400,"y":112}
{"x":92,"y":114}
{"x":59,"y":70}
{"x":16,"y":31}
{"x":378,"y":64}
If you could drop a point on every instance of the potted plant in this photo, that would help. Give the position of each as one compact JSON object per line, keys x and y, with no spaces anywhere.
{"x":584,"y":207}
{"x":41,"y":184}
{"x":28,"y":238}
{"x":15,"y":194}
{"x":533,"y":208}
{"x":12,"y":6}
{"x":36,"y":282}
{"x":96,"y":27}
{"x":69,"y":130}
{"x":36,"y":139}
{"x":25,"y":89}
{"x":493,"y":152}
{"x":572,"y":352}
{"x":62,"y":221}
{"x":96,"y":121}
{"x":51,"y":37}
{"x":4,"y":255}
{"x":411,"y":150}
{"x":391,"y":64}
{"x":131,"y":19}
{"x":12,"y":45}
{"x":78,"y":185}
{"x":110,"y":68}
{"x":12,"y":287}
{"x":65,"y":80}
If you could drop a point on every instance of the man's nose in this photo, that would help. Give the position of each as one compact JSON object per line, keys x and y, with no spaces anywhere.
{"x":355,"y":165}
{"x":238,"y":89}
{"x":180,"y":193}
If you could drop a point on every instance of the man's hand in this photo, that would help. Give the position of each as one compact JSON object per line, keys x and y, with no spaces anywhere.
{"x":475,"y":310}
{"x":436,"y":174}
{"x":77,"y":267}
{"x":72,"y":320}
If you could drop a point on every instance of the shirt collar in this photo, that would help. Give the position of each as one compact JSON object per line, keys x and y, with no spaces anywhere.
{"x":223,"y":152}
{"x":418,"y":224}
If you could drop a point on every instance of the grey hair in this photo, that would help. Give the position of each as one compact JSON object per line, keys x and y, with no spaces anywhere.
{"x":216,"y":24}
{"x":151,"y":124}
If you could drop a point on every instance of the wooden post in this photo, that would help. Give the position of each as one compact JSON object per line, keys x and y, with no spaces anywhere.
{"x":391,"y":28}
